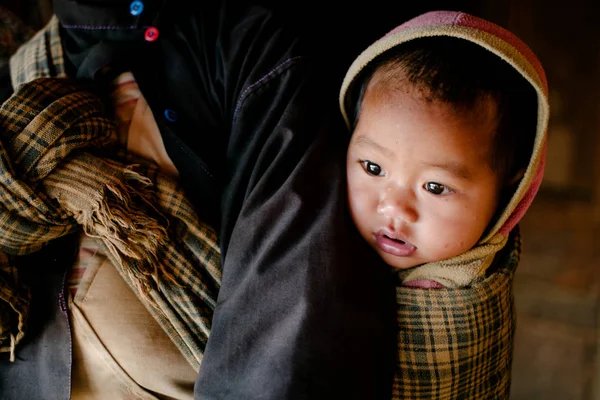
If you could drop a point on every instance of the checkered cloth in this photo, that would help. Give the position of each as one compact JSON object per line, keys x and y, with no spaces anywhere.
{"x":60,"y":171}
{"x":458,"y":343}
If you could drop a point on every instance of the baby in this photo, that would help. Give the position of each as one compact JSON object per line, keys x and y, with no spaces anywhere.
{"x":443,"y":132}
{"x":448,"y":114}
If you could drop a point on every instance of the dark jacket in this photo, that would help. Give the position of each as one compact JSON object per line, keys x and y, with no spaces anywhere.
{"x":255,"y":136}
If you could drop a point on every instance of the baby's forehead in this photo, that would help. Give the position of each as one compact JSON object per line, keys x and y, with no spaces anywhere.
{"x":414,"y":108}
{"x":482,"y":110}
{"x":437,"y":82}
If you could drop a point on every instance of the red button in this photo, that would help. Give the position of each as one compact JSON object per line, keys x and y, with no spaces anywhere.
{"x":151,"y":34}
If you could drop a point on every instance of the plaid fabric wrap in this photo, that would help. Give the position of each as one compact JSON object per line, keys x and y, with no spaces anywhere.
{"x":58,"y":168}
{"x":40,"y":126}
{"x":28,"y":218}
{"x":457,"y":343}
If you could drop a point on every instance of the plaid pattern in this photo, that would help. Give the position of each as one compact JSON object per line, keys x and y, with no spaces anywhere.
{"x":458,"y":343}
{"x":58,"y":173}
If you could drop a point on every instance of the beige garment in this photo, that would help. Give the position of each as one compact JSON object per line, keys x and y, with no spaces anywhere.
{"x":119,"y":351}
{"x":136,"y":126}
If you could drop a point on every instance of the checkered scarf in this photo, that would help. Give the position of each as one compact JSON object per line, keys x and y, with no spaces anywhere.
{"x":458,"y":343}
{"x":60,"y":172}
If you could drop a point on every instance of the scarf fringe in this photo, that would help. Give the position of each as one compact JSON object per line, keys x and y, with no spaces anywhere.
{"x":131,"y":232}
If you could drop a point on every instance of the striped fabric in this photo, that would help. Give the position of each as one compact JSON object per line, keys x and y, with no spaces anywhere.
{"x":124,"y":95}
{"x":90,"y":254}
{"x":60,"y":171}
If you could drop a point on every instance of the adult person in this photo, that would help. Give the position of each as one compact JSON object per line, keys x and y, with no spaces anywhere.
{"x":251,"y":129}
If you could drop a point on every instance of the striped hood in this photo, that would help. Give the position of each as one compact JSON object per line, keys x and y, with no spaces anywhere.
{"x":464,"y":269}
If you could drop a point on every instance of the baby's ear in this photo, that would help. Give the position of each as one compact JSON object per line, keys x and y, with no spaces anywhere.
{"x":511,"y":181}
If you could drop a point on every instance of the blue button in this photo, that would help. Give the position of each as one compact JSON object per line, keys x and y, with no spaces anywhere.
{"x":171,"y":115}
{"x":136,"y":7}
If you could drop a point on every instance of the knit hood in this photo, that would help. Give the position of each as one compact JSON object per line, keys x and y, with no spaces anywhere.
{"x":468,"y":267}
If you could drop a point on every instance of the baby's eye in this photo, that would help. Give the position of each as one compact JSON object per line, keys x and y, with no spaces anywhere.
{"x":372,"y":168}
{"x":436,"y":188}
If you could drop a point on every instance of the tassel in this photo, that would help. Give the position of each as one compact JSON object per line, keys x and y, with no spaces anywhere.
{"x":129,"y":226}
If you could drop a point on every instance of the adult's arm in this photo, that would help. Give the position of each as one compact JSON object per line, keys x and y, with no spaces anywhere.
{"x":303,"y":310}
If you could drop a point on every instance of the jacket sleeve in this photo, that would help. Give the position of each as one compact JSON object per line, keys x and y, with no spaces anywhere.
{"x":303,"y":311}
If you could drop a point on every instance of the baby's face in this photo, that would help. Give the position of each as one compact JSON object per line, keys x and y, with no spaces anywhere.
{"x":420,"y":183}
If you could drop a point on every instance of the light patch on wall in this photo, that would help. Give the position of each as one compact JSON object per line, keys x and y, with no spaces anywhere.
{"x":559,"y":157}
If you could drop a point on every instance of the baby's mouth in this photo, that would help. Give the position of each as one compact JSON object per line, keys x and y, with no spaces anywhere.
{"x":395,"y":240}
{"x":394,"y":246}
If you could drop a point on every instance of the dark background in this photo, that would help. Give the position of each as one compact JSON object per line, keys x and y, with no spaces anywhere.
{"x":338,"y":32}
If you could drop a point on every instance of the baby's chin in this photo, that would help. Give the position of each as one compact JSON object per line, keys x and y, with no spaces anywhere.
{"x":403,"y":263}
{"x":398,"y":262}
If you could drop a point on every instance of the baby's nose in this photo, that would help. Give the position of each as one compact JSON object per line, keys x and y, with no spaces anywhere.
{"x":398,"y":203}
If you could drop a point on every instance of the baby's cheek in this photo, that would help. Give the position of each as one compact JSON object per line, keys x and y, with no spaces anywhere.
{"x":454,"y":246}
{"x":456,"y":235}
{"x":356,"y":201}
{"x":360,"y":204}
{"x":359,"y":191}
